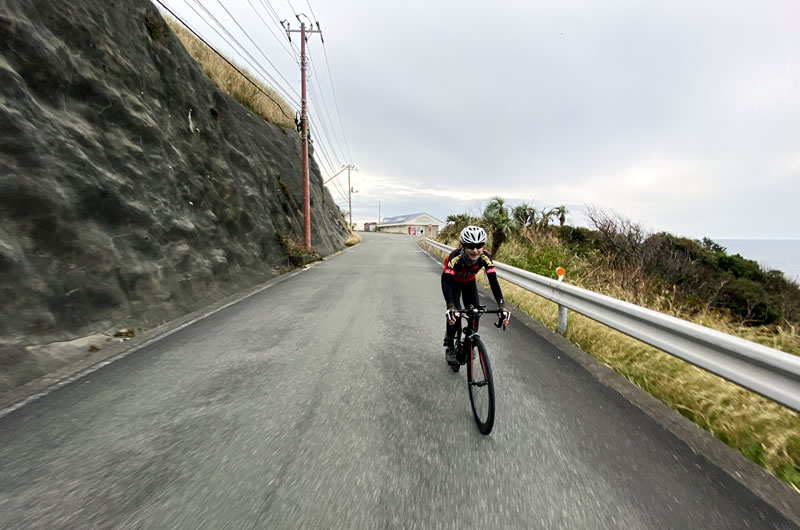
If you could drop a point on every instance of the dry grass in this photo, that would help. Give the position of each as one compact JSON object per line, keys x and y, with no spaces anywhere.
{"x":352,"y":239}
{"x":763,"y":431}
{"x":232,"y":83}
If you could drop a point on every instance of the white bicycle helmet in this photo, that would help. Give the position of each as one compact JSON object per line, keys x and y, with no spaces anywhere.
{"x":473,"y":235}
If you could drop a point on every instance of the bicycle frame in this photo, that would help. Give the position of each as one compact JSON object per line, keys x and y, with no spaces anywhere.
{"x":468,"y":333}
{"x":465,"y":336}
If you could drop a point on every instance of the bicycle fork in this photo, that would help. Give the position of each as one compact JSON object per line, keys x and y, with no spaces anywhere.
{"x":468,"y":354}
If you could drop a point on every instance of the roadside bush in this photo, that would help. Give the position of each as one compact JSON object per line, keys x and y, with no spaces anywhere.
{"x":580,"y":240}
{"x":296,"y":253}
{"x":740,"y":267}
{"x":542,"y":260}
{"x":702,"y":273}
{"x":749,"y":300}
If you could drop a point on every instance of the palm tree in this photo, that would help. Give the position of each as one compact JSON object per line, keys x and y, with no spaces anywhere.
{"x":524,"y":215}
{"x":561,"y":211}
{"x":498,"y":221}
{"x":460,"y":220}
{"x":455,"y":224}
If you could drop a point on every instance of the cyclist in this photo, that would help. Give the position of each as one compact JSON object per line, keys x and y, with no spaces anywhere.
{"x":458,"y":281}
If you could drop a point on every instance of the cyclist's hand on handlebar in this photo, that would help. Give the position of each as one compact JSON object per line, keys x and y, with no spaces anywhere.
{"x":451,"y":315}
{"x":504,"y":317}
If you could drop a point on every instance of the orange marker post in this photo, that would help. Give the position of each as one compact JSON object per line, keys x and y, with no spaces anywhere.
{"x":562,"y":311}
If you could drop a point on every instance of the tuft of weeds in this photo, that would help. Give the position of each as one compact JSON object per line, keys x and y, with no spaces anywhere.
{"x":295,"y":251}
{"x":352,"y":239}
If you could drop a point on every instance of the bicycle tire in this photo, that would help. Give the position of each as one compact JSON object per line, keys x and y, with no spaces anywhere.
{"x":481,"y":386}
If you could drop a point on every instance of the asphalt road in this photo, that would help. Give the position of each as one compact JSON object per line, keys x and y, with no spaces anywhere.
{"x":324,"y":401}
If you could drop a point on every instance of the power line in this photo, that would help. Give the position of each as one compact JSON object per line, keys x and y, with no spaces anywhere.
{"x":280,"y":107}
{"x":341,"y":192}
{"x":312,"y":10}
{"x":321,"y":139}
{"x":257,"y":68}
{"x":330,"y":76}
{"x":324,"y":106}
{"x":330,"y":171}
{"x":274,"y":15}
{"x":321,"y":146}
{"x":335,"y":100}
{"x":338,"y":188}
{"x":251,"y":41}
{"x":314,"y":77}
{"x":324,"y":152}
{"x":324,"y":127}
{"x":324,"y":103}
{"x":280,"y":40}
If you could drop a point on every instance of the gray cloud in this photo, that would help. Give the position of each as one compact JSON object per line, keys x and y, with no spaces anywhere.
{"x":682,"y":115}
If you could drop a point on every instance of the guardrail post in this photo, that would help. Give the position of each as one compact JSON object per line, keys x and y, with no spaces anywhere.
{"x":562,"y":311}
{"x":562,"y":319}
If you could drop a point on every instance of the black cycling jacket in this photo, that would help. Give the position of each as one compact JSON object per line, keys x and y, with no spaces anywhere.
{"x":456,"y":269}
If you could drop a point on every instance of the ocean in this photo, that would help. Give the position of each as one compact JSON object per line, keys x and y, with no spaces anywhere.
{"x":781,"y":254}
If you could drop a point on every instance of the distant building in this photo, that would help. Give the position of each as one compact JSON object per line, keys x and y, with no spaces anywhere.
{"x":370,"y":227}
{"x":415,"y":224}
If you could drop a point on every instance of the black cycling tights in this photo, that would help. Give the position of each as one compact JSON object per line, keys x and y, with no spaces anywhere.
{"x":468,"y":291}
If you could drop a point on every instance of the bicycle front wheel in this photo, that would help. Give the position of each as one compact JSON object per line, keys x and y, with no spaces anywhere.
{"x":481,"y":386}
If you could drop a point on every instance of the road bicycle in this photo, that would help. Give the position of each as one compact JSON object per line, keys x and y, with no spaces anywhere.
{"x":471,"y":351}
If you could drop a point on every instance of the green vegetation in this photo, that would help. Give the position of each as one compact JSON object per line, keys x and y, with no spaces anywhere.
{"x":698,"y":276}
{"x":690,"y":279}
{"x":295,"y":251}
{"x":498,"y":222}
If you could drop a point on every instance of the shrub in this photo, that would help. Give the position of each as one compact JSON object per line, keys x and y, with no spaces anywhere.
{"x":749,"y":300}
{"x":295,"y":251}
{"x":542,"y":261}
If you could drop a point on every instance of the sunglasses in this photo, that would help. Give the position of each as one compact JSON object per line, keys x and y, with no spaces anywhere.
{"x":472,"y":246}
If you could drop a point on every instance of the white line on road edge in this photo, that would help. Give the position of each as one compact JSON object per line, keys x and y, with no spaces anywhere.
{"x":95,"y":367}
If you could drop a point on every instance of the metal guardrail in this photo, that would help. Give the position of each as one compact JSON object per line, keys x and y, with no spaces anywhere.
{"x":772,"y":373}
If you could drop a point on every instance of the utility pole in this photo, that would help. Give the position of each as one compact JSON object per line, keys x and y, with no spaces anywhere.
{"x":304,"y":121}
{"x":350,"y":192}
{"x":349,"y":197}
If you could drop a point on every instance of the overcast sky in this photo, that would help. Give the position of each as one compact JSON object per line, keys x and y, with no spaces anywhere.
{"x":681,"y":115}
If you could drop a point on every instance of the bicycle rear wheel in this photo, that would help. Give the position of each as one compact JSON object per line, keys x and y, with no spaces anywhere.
{"x":481,"y":386}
